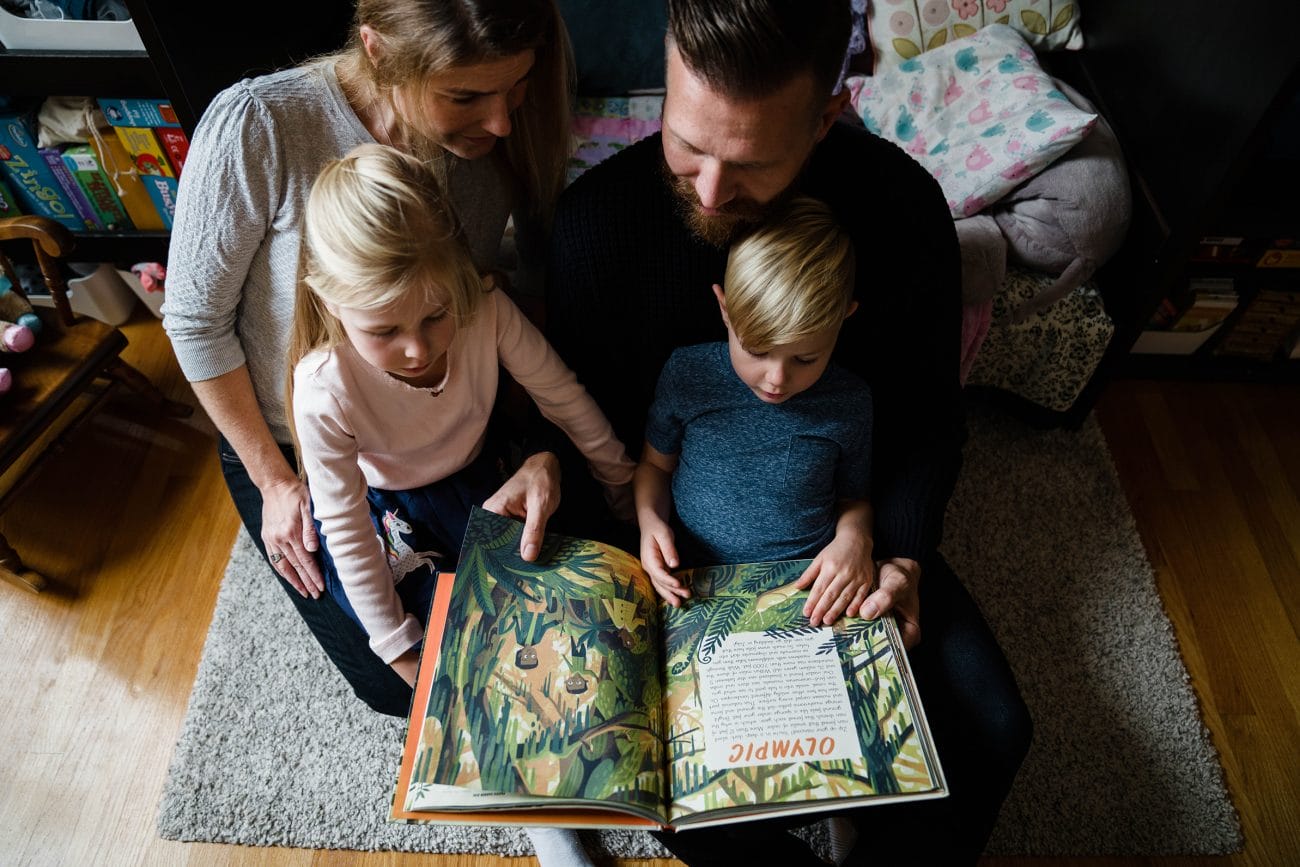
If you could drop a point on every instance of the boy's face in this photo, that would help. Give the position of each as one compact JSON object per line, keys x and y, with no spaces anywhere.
{"x":780,"y":373}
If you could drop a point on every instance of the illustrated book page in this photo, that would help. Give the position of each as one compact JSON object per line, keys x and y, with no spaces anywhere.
{"x":564,"y":692}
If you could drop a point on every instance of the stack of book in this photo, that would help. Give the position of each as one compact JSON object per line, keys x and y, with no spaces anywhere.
{"x":1267,"y":328}
{"x":119,"y":180}
{"x":1180,"y":327}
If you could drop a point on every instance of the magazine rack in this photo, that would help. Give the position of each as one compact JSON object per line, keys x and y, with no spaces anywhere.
{"x":60,"y":382}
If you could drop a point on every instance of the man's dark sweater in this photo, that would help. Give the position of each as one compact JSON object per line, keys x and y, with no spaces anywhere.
{"x":628,"y":283}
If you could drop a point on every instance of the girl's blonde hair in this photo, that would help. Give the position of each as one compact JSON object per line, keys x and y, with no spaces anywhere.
{"x":377,"y":227}
{"x":420,"y":38}
{"x":790,"y":278}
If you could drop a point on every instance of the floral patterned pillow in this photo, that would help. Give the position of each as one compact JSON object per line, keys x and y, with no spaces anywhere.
{"x":979,"y":114}
{"x":902,"y":29}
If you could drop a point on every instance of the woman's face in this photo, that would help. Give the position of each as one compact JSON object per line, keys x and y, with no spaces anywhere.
{"x":467,"y":108}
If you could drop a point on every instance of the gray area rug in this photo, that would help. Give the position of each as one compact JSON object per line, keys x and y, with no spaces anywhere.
{"x":275,"y":751}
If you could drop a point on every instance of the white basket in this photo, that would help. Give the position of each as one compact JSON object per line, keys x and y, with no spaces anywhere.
{"x":102,"y":294}
{"x":70,"y":35}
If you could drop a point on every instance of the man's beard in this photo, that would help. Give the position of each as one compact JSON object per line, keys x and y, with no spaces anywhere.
{"x":718,"y":231}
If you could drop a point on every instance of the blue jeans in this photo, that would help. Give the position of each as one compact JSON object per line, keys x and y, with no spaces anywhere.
{"x":343,"y":641}
{"x":982,"y":732}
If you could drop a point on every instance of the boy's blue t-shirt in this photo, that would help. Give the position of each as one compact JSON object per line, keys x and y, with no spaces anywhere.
{"x":757,"y":481}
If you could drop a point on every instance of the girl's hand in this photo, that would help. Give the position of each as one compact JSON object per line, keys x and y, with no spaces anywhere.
{"x":290,"y":536}
{"x":839,"y":579}
{"x":406,"y":666}
{"x":658,"y":555}
{"x":532,"y":493}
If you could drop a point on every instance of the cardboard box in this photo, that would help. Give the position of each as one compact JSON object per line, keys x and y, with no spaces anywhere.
{"x":29,"y":177}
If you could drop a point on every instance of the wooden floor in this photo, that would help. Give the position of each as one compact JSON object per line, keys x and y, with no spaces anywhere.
{"x":134,"y":526}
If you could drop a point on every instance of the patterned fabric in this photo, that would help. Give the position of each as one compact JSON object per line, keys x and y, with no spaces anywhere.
{"x":1049,"y":357}
{"x":979,"y":114}
{"x":603,"y":127}
{"x":902,"y":29}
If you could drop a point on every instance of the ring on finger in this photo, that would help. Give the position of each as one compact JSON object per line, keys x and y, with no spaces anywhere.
{"x":275,"y":557}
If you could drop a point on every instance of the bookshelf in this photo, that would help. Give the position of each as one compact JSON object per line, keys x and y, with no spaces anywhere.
{"x":192,"y":52}
{"x":39,"y":73}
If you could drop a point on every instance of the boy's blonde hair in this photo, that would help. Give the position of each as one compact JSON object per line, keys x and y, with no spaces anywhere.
{"x":790,"y":278}
{"x":377,"y":227}
{"x":419,"y":38}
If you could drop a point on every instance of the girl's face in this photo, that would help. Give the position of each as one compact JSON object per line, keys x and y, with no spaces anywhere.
{"x":467,"y":108}
{"x":407,"y":339}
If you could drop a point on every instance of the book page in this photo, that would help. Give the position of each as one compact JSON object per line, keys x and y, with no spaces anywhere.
{"x":746,"y":722}
{"x":769,"y":714}
{"x":547,"y":678}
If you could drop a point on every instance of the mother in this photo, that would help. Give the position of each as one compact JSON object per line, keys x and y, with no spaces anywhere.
{"x":481,"y":88}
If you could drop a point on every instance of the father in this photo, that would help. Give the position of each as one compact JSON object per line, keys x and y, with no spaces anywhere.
{"x":750,"y":118}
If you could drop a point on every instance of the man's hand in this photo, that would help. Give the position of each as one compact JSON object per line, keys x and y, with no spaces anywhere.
{"x":290,"y":536}
{"x":898,"y":590}
{"x":532,"y":493}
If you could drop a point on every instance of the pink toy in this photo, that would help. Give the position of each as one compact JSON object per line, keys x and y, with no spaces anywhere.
{"x":15,"y":338}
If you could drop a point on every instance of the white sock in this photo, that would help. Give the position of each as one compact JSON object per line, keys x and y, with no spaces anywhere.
{"x":843,"y":836}
{"x":558,"y":847}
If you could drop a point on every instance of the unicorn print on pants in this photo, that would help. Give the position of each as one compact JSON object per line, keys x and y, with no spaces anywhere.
{"x":402,"y":559}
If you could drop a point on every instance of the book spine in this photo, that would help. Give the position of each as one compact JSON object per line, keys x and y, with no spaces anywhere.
{"x":138,"y":112}
{"x":126,"y":184}
{"x":176,"y":145}
{"x":85,"y":169}
{"x":33,"y":183}
{"x":162,"y":190}
{"x":146,"y":153}
{"x":85,"y":210}
{"x":8,"y":204}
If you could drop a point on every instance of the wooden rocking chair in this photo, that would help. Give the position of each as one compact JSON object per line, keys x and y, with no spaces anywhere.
{"x":58,"y":383}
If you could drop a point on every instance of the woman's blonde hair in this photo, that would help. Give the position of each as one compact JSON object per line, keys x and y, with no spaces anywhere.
{"x":377,"y":228}
{"x":790,"y":278}
{"x":420,"y":38}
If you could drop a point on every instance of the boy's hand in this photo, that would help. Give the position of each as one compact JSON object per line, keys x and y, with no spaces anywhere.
{"x":658,"y":555}
{"x":838,"y":581}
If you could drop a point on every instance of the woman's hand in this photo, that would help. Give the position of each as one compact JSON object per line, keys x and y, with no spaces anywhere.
{"x":290,"y":535}
{"x":532,"y":493}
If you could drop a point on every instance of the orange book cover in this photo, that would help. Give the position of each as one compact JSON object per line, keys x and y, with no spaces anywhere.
{"x":124,"y":176}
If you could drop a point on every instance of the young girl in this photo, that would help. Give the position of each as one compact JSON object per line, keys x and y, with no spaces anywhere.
{"x":395,"y":353}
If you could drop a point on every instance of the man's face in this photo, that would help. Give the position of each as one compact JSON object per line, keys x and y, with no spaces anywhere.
{"x":731,"y":160}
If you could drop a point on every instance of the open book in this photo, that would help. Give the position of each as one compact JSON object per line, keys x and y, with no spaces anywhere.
{"x":564,"y":692}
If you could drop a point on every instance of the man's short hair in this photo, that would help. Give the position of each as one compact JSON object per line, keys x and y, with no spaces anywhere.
{"x":749,"y":49}
{"x":791,"y":278}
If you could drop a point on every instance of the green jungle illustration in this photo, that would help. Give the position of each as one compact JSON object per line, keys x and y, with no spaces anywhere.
{"x":548,"y":675}
{"x":758,"y":598}
{"x":550,"y":682}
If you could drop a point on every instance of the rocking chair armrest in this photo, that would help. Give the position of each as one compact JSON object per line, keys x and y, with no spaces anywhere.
{"x":50,"y":241}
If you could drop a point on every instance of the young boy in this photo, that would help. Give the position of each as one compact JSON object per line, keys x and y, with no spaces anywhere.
{"x":763,"y":456}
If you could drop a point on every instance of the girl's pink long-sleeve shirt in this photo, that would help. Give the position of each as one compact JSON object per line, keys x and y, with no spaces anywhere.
{"x":360,"y":427}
